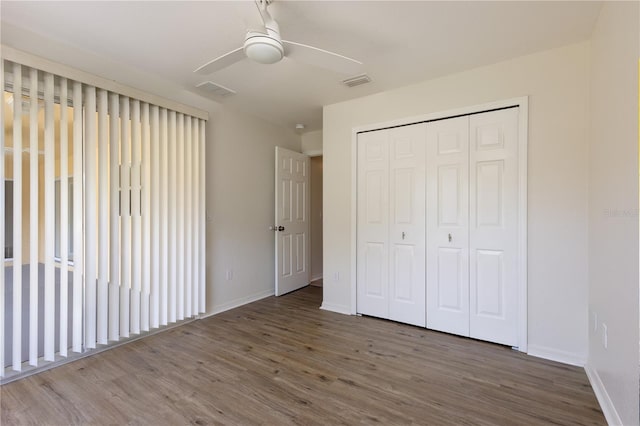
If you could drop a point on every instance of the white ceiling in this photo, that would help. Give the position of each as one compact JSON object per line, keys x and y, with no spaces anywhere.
{"x":399,"y":42}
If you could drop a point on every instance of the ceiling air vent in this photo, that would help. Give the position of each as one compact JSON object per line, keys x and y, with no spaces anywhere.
{"x":215,"y":89}
{"x":357,"y":80}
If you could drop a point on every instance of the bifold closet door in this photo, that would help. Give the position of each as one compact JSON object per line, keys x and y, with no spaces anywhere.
{"x":448,"y":225}
{"x":372,"y":267}
{"x":472,"y":226}
{"x":493,"y":233}
{"x":391,"y":224}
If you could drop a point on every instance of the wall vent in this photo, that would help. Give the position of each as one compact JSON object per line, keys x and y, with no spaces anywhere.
{"x":215,"y":89}
{"x":357,"y":80}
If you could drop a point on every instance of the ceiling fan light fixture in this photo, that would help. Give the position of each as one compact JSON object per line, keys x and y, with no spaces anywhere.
{"x":263,"y":49}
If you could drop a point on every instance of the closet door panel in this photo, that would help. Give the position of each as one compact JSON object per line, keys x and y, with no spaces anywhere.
{"x":407,"y":224}
{"x":494,"y":226}
{"x":372,"y":267}
{"x":447,"y":220}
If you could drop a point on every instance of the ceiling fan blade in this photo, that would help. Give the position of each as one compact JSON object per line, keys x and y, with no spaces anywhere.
{"x":222,"y":61}
{"x":321,"y":58}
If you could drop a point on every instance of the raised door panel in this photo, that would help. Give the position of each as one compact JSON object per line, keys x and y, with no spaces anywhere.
{"x":407,"y":224}
{"x":447,"y":220}
{"x":494,"y":226}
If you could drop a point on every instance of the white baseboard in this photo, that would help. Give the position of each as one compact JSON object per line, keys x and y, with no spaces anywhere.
{"x":235,"y":303}
{"x":606,"y":404}
{"x":340,"y":309}
{"x":316,"y":277}
{"x":557,"y":355}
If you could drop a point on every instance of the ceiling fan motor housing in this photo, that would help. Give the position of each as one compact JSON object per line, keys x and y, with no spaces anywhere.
{"x":263,"y":48}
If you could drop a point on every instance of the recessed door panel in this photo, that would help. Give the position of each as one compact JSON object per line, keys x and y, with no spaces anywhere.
{"x":375,"y":211}
{"x":489,"y":196}
{"x":375,"y":281}
{"x":490,"y":300}
{"x":403,"y":258}
{"x":403,"y":200}
{"x":286,"y":270}
{"x":490,"y":134}
{"x":449,"y":195}
{"x":301,"y":254}
{"x":300,"y":197}
{"x":449,"y":141}
{"x":285,"y":207}
{"x":450,"y":292}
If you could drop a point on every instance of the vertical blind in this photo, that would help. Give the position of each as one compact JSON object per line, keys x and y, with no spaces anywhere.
{"x":115,"y":186}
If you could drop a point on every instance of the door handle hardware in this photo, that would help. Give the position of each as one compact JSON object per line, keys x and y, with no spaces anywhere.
{"x":450,"y":238}
{"x":276,"y":228}
{"x":403,"y":235}
{"x":280,"y":228}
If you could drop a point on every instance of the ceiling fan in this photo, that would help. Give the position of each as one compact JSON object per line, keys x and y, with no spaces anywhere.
{"x":266,"y":47}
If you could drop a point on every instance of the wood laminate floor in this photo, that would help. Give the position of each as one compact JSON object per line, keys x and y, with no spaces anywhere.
{"x":284,"y":361}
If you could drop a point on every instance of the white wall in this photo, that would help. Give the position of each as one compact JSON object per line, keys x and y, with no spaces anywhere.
{"x":613,"y":210}
{"x":312,"y":143}
{"x":557,"y":82}
{"x":240,"y":206}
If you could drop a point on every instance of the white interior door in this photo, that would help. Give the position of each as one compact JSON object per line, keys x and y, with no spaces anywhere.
{"x":494,"y":226}
{"x":291,"y":221}
{"x":448,"y":225}
{"x":391,"y":211}
{"x":407,"y":224}
{"x":372,"y":269}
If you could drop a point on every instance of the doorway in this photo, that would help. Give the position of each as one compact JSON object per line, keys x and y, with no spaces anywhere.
{"x":316,"y":220}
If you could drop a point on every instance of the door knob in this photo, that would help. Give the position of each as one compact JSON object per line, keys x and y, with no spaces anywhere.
{"x":403,"y":235}
{"x":280,"y":228}
{"x":276,"y":228}
{"x":450,"y":238}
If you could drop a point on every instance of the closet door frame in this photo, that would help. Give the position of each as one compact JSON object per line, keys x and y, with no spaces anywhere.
{"x":523,"y":104}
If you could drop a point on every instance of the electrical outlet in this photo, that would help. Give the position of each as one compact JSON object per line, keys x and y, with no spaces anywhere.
{"x":605,"y":337}
{"x":229,"y":274}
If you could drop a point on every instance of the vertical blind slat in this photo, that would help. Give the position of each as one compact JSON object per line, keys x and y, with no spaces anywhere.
{"x":125,"y":214}
{"x":203,"y":213}
{"x":114,"y":219}
{"x":136,"y":244}
{"x":146,"y":219}
{"x":90,"y":222}
{"x":49,"y":221}
{"x":172,"y":216}
{"x":180,"y":216}
{"x":195,"y":210}
{"x":64,"y":219}
{"x":34,"y":225}
{"x":78,"y":255}
{"x":188,"y":207}
{"x":164,"y":208}
{"x":103,"y":219}
{"x":155,"y":218}
{"x":2,"y":236}
{"x":17,"y":218}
